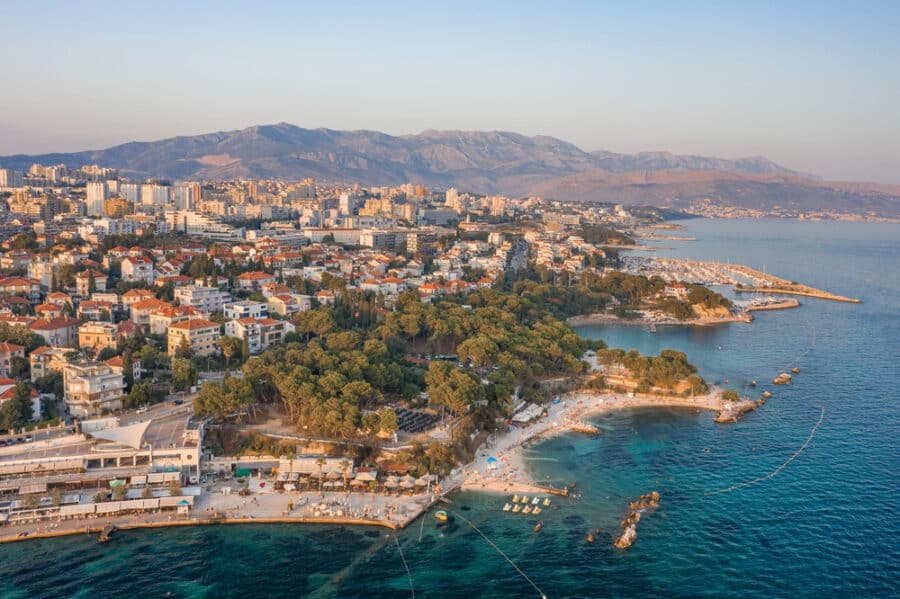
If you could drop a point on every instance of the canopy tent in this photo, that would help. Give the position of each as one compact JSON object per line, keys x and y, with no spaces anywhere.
{"x":367,"y":476}
{"x":131,"y":435}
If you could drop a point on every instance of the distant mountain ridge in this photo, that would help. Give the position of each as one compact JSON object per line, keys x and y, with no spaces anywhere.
{"x":476,"y":161}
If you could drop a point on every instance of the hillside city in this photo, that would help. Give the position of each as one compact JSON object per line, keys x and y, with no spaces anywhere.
{"x":159,"y":340}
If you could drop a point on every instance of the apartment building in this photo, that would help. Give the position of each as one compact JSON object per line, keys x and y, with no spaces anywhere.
{"x":205,"y":299}
{"x":202,"y":336}
{"x":92,"y":388}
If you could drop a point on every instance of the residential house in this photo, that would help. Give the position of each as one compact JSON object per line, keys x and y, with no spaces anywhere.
{"x":162,"y":319}
{"x":95,"y":310}
{"x":245,"y":309}
{"x":273,"y":289}
{"x":118,"y":366}
{"x":253,"y":281}
{"x":58,"y":332}
{"x":92,"y":388}
{"x":98,"y":335}
{"x":138,"y":269}
{"x":260,"y":333}
{"x":202,"y":336}
{"x":133,"y":296}
{"x":205,"y":299}
{"x":8,"y":391}
{"x":45,"y":360}
{"x":141,"y":311}
{"x":21,"y":286}
{"x":8,"y":351}
{"x":83,"y":282}
{"x":58,"y":298}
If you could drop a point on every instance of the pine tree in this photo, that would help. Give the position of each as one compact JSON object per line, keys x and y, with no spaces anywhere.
{"x":54,"y":285}
{"x":245,"y":350}
{"x":92,"y":283}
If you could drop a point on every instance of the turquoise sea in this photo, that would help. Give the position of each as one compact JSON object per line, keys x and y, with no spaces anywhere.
{"x":826,"y":525}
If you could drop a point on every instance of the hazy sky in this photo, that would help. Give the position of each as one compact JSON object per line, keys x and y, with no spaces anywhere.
{"x":814,"y":86}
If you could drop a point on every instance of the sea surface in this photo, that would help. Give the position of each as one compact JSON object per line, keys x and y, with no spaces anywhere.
{"x":824,"y":525}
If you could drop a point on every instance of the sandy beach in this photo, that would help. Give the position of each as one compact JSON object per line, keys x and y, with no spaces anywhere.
{"x":509,"y":473}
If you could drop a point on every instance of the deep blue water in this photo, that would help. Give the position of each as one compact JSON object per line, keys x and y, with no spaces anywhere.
{"x":827,"y":525}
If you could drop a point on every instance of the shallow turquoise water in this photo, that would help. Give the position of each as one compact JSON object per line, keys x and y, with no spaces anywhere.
{"x":825,"y":526}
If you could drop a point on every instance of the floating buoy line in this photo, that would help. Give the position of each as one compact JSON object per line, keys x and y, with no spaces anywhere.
{"x":780,"y":468}
{"x":506,"y":557}
{"x":412,"y":591}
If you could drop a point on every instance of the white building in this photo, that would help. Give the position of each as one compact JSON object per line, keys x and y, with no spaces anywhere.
{"x":154,"y":195}
{"x":92,"y":388}
{"x":131,"y":192}
{"x":97,"y":193}
{"x":245,"y":309}
{"x":11,"y":178}
{"x":205,"y":299}
{"x":137,"y":269}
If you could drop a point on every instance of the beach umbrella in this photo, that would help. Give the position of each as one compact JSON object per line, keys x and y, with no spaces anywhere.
{"x":405,"y":484}
{"x":391,"y":484}
{"x":408,"y":479}
{"x":333,"y":475}
{"x":421,"y":482}
{"x":365,"y":476}
{"x":357,"y":483}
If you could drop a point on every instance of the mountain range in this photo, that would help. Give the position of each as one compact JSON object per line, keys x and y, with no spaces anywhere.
{"x":481,"y":162}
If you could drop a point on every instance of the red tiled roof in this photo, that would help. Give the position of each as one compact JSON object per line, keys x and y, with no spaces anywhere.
{"x":51,"y":324}
{"x":197,"y":323}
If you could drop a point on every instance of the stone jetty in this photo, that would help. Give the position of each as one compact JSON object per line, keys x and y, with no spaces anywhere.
{"x":644,"y":505}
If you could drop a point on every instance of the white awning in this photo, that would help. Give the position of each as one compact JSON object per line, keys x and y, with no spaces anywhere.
{"x":132,"y":435}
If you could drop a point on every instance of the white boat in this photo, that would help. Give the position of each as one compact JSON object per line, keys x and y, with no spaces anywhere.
{"x":535,"y":501}
{"x":506,"y":507}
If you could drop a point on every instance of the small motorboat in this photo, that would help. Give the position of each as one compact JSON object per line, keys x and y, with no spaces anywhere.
{"x":527,"y":509}
{"x":546,"y":501}
{"x":539,"y":526}
{"x":535,"y":501}
{"x":752,"y":383}
{"x":590,"y":537}
{"x":507,"y":507}
{"x":795,"y":370}
{"x":515,"y":499}
{"x":441,"y":516}
{"x":517,"y":508}
{"x":536,"y":511}
{"x":524,"y":499}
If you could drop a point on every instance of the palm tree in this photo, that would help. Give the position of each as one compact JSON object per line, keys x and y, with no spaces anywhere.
{"x":320,"y":462}
{"x":345,"y":466}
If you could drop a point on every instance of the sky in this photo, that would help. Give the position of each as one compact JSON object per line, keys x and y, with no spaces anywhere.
{"x":814,"y":86}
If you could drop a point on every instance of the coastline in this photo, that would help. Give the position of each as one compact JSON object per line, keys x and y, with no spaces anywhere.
{"x":512,"y":475}
{"x":744,"y":316}
{"x":597,"y":318}
{"x":387,"y":512}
